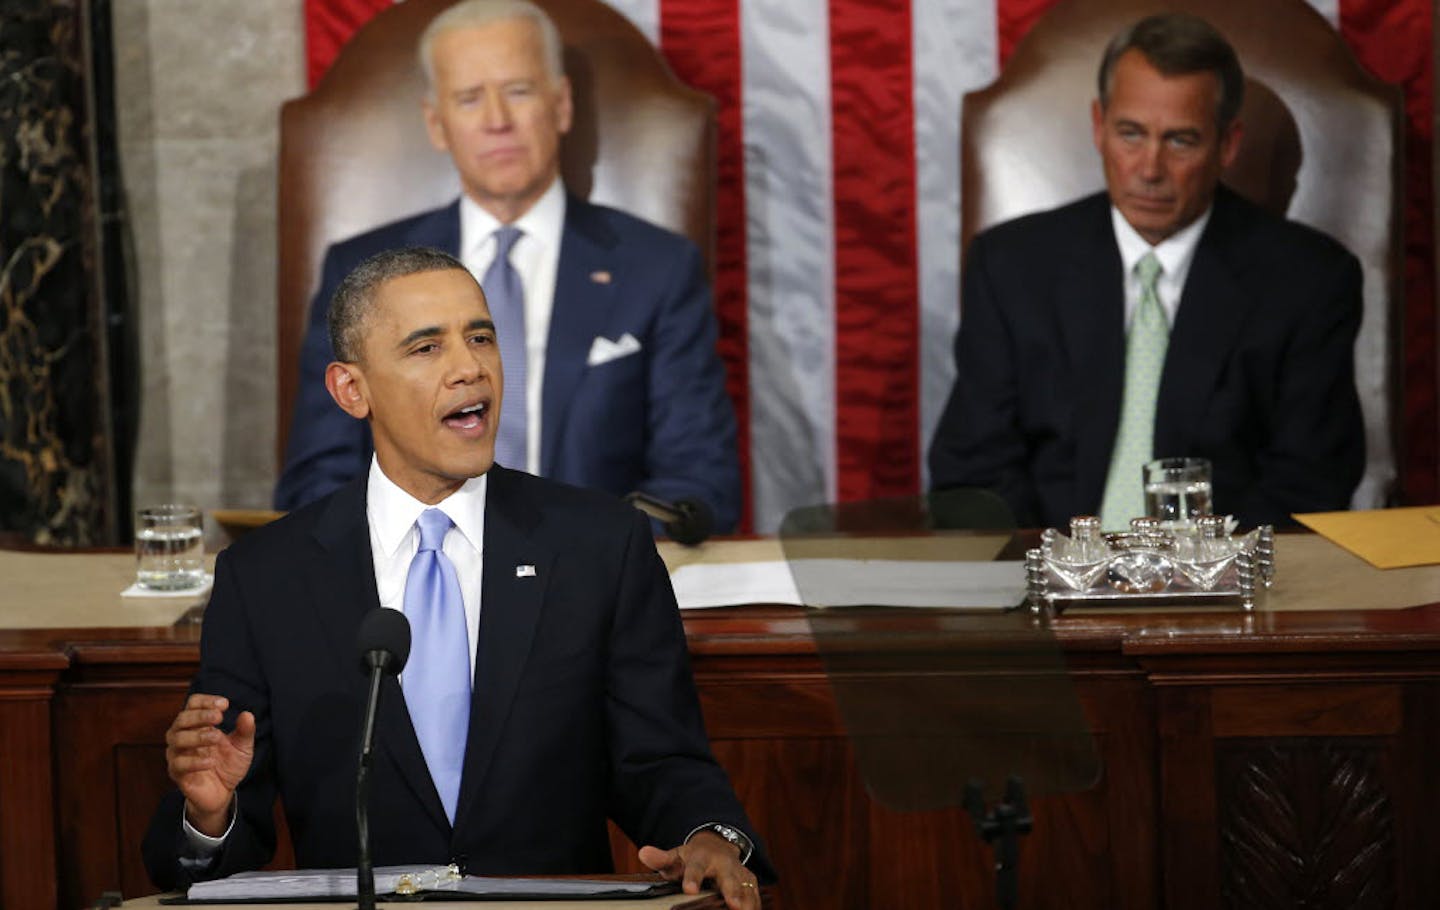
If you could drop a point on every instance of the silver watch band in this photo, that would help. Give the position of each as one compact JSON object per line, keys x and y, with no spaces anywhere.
{"x":731,"y":834}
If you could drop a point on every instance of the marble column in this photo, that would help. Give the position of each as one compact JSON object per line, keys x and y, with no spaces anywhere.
{"x":55,"y":479}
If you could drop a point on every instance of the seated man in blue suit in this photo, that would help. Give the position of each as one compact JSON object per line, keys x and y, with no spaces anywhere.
{"x":548,"y":685}
{"x":1167,"y":317}
{"x":605,"y":320}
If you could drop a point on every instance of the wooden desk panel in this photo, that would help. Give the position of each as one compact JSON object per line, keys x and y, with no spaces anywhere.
{"x":1216,"y":731}
{"x":29,"y":671}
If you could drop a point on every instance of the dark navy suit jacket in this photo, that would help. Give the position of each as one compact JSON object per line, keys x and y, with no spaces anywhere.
{"x":658,"y":420}
{"x":1258,"y":376}
{"x":584,"y":706}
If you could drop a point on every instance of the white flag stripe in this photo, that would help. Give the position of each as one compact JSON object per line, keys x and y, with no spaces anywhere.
{"x":790,"y":247}
{"x":1330,"y":9}
{"x":644,"y":13}
{"x":955,"y":51}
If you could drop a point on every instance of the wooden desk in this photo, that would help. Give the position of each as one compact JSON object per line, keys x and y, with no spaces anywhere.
{"x":1248,"y":760}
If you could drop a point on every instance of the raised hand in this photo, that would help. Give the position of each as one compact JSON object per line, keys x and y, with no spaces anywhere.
{"x":206,"y":763}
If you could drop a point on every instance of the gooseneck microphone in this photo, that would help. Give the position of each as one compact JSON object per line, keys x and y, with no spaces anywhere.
{"x":384,"y":645}
{"x":688,"y":521}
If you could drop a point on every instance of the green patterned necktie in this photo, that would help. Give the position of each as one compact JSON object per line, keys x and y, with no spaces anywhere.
{"x":1135,"y":440}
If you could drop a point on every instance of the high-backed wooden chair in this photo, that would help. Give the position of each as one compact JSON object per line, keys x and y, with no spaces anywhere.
{"x":1322,"y":145}
{"x":354,"y":153}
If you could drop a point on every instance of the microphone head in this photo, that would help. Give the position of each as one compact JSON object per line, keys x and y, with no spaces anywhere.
{"x":384,"y":641}
{"x":693,"y":524}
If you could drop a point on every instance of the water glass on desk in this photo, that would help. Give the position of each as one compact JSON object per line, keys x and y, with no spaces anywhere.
{"x":169,"y":547}
{"x":1177,"y":489}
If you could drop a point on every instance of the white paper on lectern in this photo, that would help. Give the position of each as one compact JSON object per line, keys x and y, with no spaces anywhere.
{"x":852,"y":582}
{"x":319,"y":883}
{"x":304,"y":883}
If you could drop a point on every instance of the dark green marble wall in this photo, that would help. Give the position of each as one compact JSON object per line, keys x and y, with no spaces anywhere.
{"x":55,"y":481}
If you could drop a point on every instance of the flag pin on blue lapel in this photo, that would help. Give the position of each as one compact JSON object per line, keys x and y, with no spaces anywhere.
{"x":600,"y":277}
{"x":524,"y":571}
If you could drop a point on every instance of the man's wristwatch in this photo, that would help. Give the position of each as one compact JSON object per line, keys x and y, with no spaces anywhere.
{"x":732,"y":835}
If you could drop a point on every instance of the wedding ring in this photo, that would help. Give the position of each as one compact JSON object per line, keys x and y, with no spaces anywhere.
{"x":747,"y":884}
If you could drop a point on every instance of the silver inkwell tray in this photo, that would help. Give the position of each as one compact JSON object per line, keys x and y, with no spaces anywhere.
{"x":1190,"y":563}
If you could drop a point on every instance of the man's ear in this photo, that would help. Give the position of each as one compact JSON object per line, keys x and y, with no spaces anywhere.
{"x":346,"y":384}
{"x":564,"y":106}
{"x":1230,"y":139}
{"x":433,"y":127}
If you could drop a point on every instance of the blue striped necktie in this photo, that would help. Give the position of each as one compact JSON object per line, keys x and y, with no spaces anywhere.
{"x":506,"y":297}
{"x":437,"y":677}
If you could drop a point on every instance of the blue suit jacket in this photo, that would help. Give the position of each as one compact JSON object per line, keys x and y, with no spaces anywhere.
{"x":584,"y":706}
{"x":658,"y":420}
{"x":1259,"y":374}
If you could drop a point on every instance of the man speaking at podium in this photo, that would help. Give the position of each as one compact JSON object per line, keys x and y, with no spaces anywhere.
{"x":548,"y":685}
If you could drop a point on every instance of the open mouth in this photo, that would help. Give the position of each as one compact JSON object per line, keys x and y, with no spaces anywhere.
{"x":470,"y":419}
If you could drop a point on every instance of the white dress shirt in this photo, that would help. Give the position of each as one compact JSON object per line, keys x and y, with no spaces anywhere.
{"x":1175,"y":253}
{"x":536,"y":258}
{"x":394,"y":538}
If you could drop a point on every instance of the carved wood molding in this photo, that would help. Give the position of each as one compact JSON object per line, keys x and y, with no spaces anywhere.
{"x":1306,"y":823}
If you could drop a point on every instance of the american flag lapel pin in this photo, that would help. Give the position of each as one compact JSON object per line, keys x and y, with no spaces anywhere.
{"x":600,"y":276}
{"x":525,"y":571}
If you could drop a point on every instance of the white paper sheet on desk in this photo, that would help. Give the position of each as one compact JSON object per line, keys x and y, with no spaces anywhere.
{"x":851,"y":582}
{"x":303,"y":883}
{"x":319,"y":883}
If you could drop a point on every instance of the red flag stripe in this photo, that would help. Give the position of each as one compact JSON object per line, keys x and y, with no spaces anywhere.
{"x":1392,"y":38}
{"x":877,"y":352}
{"x":328,"y":25}
{"x":701,"y":41}
{"x":1013,"y":19}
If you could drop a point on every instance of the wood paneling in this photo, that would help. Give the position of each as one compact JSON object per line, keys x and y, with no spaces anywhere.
{"x":27,"y":821}
{"x":1306,"y":823}
{"x":1306,"y":710}
{"x":1222,"y":737}
{"x":102,"y":781}
{"x":29,"y":670}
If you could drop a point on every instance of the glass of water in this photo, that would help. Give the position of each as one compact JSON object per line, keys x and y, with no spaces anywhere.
{"x":1177,"y":489}
{"x":169,"y":547}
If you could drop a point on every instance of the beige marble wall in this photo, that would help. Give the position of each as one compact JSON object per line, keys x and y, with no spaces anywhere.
{"x":199,"y":85}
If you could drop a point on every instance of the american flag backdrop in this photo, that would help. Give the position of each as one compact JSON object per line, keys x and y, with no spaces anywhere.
{"x":837,"y":279}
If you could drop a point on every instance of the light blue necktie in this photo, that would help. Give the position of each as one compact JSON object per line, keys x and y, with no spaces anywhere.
{"x":506,"y":297}
{"x":1145,"y":347}
{"x":437,"y":678}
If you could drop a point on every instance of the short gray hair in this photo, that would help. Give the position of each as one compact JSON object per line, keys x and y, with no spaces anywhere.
{"x":355,"y":298}
{"x":1178,"y":44}
{"x":475,"y":13}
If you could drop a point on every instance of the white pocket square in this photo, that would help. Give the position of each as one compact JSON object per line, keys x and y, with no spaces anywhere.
{"x":603,"y":350}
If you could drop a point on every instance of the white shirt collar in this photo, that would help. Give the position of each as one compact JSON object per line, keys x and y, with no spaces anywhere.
{"x":542,"y":222}
{"x":392,"y":512}
{"x":1175,"y":252}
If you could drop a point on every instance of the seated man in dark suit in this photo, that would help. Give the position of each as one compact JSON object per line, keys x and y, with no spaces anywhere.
{"x":1168,"y":317}
{"x":547,"y":602}
{"x":605,"y":320}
